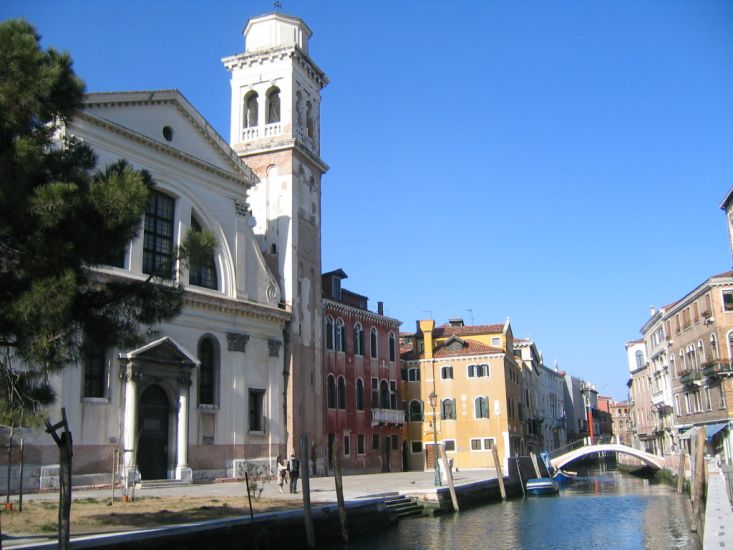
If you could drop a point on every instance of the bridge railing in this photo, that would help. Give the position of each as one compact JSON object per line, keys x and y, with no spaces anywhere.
{"x":584,"y":442}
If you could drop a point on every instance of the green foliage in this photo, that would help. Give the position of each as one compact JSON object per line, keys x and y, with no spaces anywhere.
{"x":58,"y":218}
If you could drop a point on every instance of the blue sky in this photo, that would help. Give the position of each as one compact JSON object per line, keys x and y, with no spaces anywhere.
{"x":560,"y":163}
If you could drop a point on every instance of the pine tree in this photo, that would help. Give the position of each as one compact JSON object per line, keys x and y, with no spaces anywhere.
{"x":59,"y":217}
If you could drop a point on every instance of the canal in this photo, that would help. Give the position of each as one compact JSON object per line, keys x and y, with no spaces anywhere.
{"x":601,"y":509}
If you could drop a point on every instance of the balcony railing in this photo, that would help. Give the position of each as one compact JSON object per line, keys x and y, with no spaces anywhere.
{"x":691,"y":378}
{"x":717,"y":368}
{"x":388,"y":416}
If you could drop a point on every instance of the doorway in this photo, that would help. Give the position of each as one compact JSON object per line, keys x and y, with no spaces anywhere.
{"x":385,"y":454}
{"x":153,"y":434}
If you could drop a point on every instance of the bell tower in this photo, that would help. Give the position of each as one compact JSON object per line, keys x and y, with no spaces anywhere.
{"x":275,"y":130}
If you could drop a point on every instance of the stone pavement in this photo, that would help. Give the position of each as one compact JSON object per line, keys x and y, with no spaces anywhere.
{"x":718,"y":512}
{"x":322,"y":488}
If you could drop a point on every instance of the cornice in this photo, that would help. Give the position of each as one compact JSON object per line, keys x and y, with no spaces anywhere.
{"x":221,"y":304}
{"x":162,"y":148}
{"x":272,"y":55}
{"x":236,"y":307}
{"x":251,"y":149}
{"x":361,"y":314}
{"x":712,"y":282}
{"x":451,"y":358}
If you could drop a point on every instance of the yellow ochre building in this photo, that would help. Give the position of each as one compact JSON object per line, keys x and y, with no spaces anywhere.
{"x":476,"y":383}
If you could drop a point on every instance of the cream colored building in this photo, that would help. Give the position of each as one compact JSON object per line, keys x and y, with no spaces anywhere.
{"x":476,"y":381}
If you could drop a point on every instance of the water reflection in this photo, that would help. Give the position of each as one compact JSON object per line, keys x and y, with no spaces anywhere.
{"x":602,"y":509}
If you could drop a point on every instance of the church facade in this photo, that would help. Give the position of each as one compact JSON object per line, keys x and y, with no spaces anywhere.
{"x":237,"y":377}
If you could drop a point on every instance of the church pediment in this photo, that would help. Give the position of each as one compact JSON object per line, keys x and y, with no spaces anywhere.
{"x":168,"y":119}
{"x":163,"y":351}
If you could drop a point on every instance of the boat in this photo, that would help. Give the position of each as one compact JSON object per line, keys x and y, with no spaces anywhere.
{"x":542,"y":486}
{"x":564,"y":476}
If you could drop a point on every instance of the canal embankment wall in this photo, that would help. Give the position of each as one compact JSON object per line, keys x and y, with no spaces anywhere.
{"x":480,"y":492}
{"x":273,"y":530}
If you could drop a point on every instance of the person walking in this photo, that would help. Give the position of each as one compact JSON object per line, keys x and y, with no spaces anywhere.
{"x":294,"y":472}
{"x":282,"y":472}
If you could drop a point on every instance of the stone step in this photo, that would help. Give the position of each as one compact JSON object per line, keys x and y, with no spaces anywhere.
{"x":404,"y":507}
{"x":163,"y":483}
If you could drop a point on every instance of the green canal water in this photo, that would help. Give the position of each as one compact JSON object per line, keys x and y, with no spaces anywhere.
{"x":601,"y":509}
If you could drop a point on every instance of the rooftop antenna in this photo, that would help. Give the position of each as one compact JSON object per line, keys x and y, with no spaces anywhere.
{"x":471,"y":312}
{"x":277,"y":5}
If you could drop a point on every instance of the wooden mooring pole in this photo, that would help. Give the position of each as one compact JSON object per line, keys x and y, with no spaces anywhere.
{"x":681,"y":471}
{"x":499,"y":475}
{"x":336,"y":453}
{"x":310,"y":533}
{"x":449,"y":476}
{"x":533,"y":457}
{"x":699,"y":461}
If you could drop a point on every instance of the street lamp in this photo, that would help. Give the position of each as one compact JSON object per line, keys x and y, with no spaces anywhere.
{"x":436,"y":465}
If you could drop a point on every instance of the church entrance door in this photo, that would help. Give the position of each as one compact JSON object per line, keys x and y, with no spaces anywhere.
{"x":153,"y":443}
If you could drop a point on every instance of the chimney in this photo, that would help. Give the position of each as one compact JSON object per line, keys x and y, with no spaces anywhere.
{"x":380,"y":308}
{"x":426,"y":327}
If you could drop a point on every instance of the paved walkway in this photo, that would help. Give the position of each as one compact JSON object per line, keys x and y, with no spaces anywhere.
{"x":322,"y":488}
{"x":718,"y":512}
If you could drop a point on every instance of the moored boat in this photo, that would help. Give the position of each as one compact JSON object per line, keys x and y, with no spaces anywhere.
{"x":542,"y":486}
{"x":564,"y":476}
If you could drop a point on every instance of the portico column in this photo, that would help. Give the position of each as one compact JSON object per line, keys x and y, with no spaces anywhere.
{"x":182,"y":469}
{"x":130,"y":377}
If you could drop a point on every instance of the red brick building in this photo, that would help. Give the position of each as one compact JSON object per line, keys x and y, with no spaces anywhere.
{"x":362,"y":407}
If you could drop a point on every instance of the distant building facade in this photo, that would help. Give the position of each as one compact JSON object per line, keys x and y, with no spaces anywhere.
{"x":657,"y":344}
{"x":621,"y":420}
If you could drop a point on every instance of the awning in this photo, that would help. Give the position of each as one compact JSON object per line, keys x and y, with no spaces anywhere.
{"x":685,"y":433}
{"x":712,"y":429}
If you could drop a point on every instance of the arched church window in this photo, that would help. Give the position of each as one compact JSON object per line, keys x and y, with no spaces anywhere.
{"x":273,"y":106}
{"x":251,"y":106}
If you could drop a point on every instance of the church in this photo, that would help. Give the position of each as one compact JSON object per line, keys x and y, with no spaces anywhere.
{"x":237,"y":377}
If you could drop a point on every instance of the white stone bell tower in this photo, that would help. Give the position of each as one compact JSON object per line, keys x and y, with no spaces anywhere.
{"x":275,"y":129}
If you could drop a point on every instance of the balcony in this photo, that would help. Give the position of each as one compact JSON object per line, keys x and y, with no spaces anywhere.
{"x":658,"y":399}
{"x":388,"y":416}
{"x":717,"y":368}
{"x":691,"y":377}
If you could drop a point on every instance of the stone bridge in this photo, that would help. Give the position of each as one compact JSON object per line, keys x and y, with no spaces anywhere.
{"x":651,"y":460}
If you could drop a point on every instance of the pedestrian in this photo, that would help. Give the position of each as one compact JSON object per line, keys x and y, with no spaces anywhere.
{"x":282,"y":472}
{"x":294,"y":472}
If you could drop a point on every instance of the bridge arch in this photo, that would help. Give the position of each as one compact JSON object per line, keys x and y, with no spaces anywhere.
{"x":651,"y":460}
